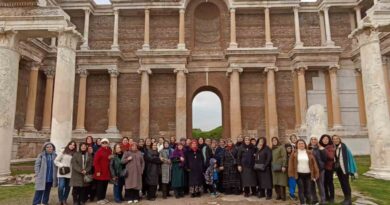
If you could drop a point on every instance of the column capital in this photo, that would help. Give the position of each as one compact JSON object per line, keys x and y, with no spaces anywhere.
{"x":385,"y":60}
{"x":147,"y":11}
{"x":333,"y":68}
{"x":116,"y":11}
{"x":357,"y":8}
{"x":113,"y":72}
{"x":35,"y":65}
{"x":182,"y":10}
{"x":50,"y":72}
{"x":9,"y":39}
{"x":274,"y":68}
{"x":177,"y":70}
{"x":233,"y":10}
{"x":143,"y":69}
{"x":234,"y":68}
{"x":326,"y":8}
{"x":300,"y":69}
{"x":296,"y":9}
{"x":83,"y":72}
{"x":87,"y":11}
{"x":69,"y":39}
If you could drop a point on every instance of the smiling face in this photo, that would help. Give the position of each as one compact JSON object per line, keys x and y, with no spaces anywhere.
{"x":325,"y":140}
{"x":118,"y":149}
{"x":247,"y":141}
{"x":83,"y":147}
{"x":72,"y":146}
{"x":154,"y":146}
{"x":314,"y":141}
{"x":274,"y":141}
{"x":301,"y":145}
{"x":336,"y":139}
{"x":125,"y":141}
{"x":166,"y":144}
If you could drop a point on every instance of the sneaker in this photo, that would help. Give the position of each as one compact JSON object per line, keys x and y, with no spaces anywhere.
{"x":130,"y":202}
{"x":135,"y":201}
{"x":105,"y":200}
{"x":101,"y":202}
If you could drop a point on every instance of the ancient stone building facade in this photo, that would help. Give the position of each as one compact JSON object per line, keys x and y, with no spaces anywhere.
{"x":132,"y":68}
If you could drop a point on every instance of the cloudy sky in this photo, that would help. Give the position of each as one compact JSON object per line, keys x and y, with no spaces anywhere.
{"x":206,"y":111}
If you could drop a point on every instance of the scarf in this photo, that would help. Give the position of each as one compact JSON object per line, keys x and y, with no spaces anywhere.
{"x":177,"y":154}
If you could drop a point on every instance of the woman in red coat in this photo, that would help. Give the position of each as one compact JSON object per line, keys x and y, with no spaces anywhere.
{"x":102,"y":174}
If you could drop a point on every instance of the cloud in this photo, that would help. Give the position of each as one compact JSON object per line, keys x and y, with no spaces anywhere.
{"x":102,"y":1}
{"x":206,"y":111}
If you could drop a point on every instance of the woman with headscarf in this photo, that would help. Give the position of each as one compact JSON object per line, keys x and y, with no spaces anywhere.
{"x":231,"y":176}
{"x":326,"y":142}
{"x":166,"y":168}
{"x":178,"y":178}
{"x":81,"y":166}
{"x":279,"y":169}
{"x":125,"y":144}
{"x":153,"y":169}
{"x":246,"y":161}
{"x":263,"y":158}
{"x":194,"y":163}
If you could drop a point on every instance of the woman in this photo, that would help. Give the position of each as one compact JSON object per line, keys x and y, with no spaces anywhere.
{"x":326,"y":142}
{"x":153,"y":169}
{"x":253,"y":141}
{"x":246,"y":161}
{"x":63,"y":162}
{"x":45,"y":174}
{"x":320,"y":156}
{"x":293,"y":141}
{"x":81,"y":166}
{"x":97,"y":145}
{"x":292,"y":183}
{"x":144,"y":150}
{"x":231,"y":176}
{"x":134,"y":162}
{"x":172,"y":142}
{"x":165,"y":169}
{"x":279,"y":172}
{"x":264,"y":174}
{"x":102,"y":176}
{"x":344,"y":166}
{"x":141,"y":144}
{"x":91,"y":187}
{"x":125,"y":144}
{"x":89,"y":141}
{"x":194,"y":163}
{"x":302,"y":165}
{"x":116,"y":169}
{"x":160,"y":144}
{"x":177,"y":159}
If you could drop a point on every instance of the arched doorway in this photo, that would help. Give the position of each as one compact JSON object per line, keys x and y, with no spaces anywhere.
{"x":207,"y":115}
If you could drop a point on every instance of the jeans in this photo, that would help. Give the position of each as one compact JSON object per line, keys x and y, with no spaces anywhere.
{"x":320,"y":186}
{"x":328,"y":185}
{"x":118,"y":187}
{"x":292,"y":183}
{"x":42,"y":197}
{"x":63,"y":189}
{"x":304,"y":186}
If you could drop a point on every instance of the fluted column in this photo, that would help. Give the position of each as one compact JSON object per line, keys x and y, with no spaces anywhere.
{"x":115,"y":45}
{"x":302,"y":94}
{"x":47,"y":108}
{"x":298,"y":42}
{"x":181,"y":103}
{"x":271,"y":107}
{"x":360,"y":96}
{"x":144,"y":103}
{"x":337,"y":124}
{"x":112,"y":110}
{"x":296,"y":100}
{"x":235,"y":102}
{"x":329,"y":41}
{"x":233,"y":40}
{"x":32,"y":97}
{"x":85,"y":45}
{"x":146,"y":45}
{"x":322,"y":28}
{"x":80,"y":124}
{"x":9,"y":68}
{"x":268,"y":41}
{"x":62,"y":119}
{"x":182,"y":44}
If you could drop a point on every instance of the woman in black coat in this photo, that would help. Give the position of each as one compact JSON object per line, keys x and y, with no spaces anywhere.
{"x":246,"y":161}
{"x":153,"y":161}
{"x":230,"y":176}
{"x":195,"y":167}
{"x":264,"y":176}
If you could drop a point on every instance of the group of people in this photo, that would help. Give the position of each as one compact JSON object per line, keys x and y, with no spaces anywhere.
{"x":249,"y":166}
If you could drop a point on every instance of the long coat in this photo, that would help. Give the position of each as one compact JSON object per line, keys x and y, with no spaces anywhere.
{"x":77,"y":178}
{"x":134,"y":168}
{"x":194,"y":163}
{"x":264,"y":178}
{"x":153,"y":170}
{"x":40,"y":169}
{"x":279,"y":157}
{"x":166,"y":166}
{"x":246,"y":160}
{"x":177,"y":173}
{"x":101,"y":164}
{"x":231,"y":176}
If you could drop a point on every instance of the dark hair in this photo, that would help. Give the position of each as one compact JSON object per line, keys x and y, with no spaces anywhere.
{"x":277,"y":139}
{"x":68,"y":151}
{"x":300,"y":140}
{"x":98,"y":139}
{"x":89,"y":137}
{"x":114,"y":148}
{"x":83,"y":143}
{"x":264,"y":142}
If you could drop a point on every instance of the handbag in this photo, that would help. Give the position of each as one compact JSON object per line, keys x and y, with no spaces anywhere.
{"x":276,"y":167}
{"x":87,"y":178}
{"x":64,"y":170}
{"x":259,"y":167}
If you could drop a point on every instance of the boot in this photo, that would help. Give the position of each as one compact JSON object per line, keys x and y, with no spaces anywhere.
{"x":347,"y":201}
{"x":283,"y":193}
{"x":277,"y":191}
{"x":164,"y":191}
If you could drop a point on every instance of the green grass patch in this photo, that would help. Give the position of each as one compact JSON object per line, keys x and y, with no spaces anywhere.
{"x":8,"y":193}
{"x":215,"y":133}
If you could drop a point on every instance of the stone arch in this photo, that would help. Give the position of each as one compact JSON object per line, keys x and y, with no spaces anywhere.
{"x":228,"y":3}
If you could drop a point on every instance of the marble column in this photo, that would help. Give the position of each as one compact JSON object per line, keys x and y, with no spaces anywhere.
{"x":235,"y":103}
{"x":9,"y":68}
{"x":358,"y":15}
{"x":146,"y":45}
{"x":144,"y":103}
{"x":80,"y":123}
{"x":360,"y":96}
{"x":329,"y":41}
{"x":337,"y":123}
{"x":302,"y":94}
{"x":182,"y":44}
{"x":115,"y":45}
{"x":233,"y":40}
{"x":85,"y":45}
{"x":322,"y":28}
{"x":298,"y":42}
{"x":53,"y":42}
{"x":32,"y":97}
{"x":329,"y":104}
{"x":181,"y":103}
{"x":47,"y":108}
{"x":112,"y":110}
{"x":385,"y":61}
{"x":268,"y":41}
{"x":271,"y":103}
{"x":62,"y":119}
{"x":296,"y":100}
{"x":378,"y":118}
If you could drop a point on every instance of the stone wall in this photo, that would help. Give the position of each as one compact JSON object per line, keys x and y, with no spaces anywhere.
{"x":21,"y":101}
{"x":309,"y":23}
{"x":164,"y":30}
{"x":285,"y":102}
{"x":131,"y":32}
{"x":340,"y":27}
{"x":250,"y":30}
{"x":101,"y":31}
{"x":283,"y":31}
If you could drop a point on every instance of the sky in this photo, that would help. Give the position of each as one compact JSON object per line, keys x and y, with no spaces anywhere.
{"x":206,"y":111}
{"x":108,"y":1}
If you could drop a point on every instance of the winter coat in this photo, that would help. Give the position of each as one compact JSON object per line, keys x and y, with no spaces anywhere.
{"x":279,"y":157}
{"x":207,"y":153}
{"x":101,"y":164}
{"x":63,"y":160}
{"x":219,"y":154}
{"x":293,"y":165}
{"x":347,"y":161}
{"x":166,"y":165}
{"x":153,"y":170}
{"x":194,"y":163}
{"x":77,"y":178}
{"x":134,"y":169}
{"x":246,"y":159}
{"x":264,"y":178}
{"x":116,"y":166}
{"x":329,"y":150}
{"x":40,"y":168}
{"x":231,"y":176}
{"x":320,"y":157}
{"x":177,"y":169}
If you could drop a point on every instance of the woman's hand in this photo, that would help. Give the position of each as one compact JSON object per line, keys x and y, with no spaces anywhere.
{"x":283,"y":169}
{"x":239,"y":168}
{"x":182,"y":159}
{"x":129,"y":158}
{"x":98,"y":174}
{"x":221,"y":168}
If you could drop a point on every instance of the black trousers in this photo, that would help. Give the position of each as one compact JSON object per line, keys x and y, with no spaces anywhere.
{"x":328,"y":185}
{"x":344,"y":182}
{"x":248,"y":189}
{"x":304,"y":188}
{"x":131,"y":194}
{"x":265,"y":192}
{"x":101,"y":189}
{"x":79,"y":195}
{"x":91,"y":191}
{"x":151,"y":194}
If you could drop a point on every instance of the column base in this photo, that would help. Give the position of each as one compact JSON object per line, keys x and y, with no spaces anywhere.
{"x":337,"y":128}
{"x":80,"y":131}
{"x":146,"y":47}
{"x":45,"y":130}
{"x":330,"y":44}
{"x":112,"y":130}
{"x":298,"y":45}
{"x":269,"y":45}
{"x":181,"y":46}
{"x":115,"y":47}
{"x":84,"y":47}
{"x":29,"y":128}
{"x":233,"y":45}
{"x":379,"y":173}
